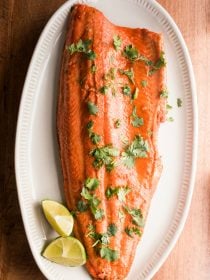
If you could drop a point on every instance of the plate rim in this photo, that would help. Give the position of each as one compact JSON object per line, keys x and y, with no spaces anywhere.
{"x":194,"y":108}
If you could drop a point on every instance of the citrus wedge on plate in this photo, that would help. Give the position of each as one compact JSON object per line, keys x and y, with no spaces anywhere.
{"x":58,"y":216}
{"x":67,"y":251}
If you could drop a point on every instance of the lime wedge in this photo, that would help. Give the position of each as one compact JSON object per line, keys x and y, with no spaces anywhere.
{"x":67,"y":251}
{"x":58,"y":216}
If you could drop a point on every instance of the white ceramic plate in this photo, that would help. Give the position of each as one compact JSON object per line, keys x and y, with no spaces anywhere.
{"x":37,"y":164}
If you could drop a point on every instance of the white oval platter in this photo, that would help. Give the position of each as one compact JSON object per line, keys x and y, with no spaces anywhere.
{"x":37,"y":163}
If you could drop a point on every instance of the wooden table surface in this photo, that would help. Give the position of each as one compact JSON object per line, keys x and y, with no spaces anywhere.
{"x":21,"y":22}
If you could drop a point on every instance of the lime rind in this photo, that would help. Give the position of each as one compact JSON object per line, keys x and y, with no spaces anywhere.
{"x":67,"y":251}
{"x":58,"y":217}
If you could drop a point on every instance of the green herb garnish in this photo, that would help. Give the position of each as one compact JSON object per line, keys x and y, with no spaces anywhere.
{"x":117,"y":123}
{"x":144,"y":83}
{"x":104,"y":156}
{"x":161,"y":62}
{"x":179,"y":102}
{"x":128,"y":73}
{"x":112,"y":230}
{"x":92,"y":108}
{"x":109,"y":254}
{"x":170,"y":119}
{"x":93,"y":68}
{"x":168,"y":106}
{"x":136,"y":214}
{"x":117,"y":42}
{"x":95,"y":138}
{"x":82,"y":206}
{"x":136,"y":120}
{"x":126,"y":90}
{"x":82,"y":47}
{"x":133,"y":230}
{"x":131,"y":53}
{"x":93,"y":203}
{"x":90,"y":124}
{"x":137,"y":149}
{"x":104,"y":89}
{"x":164,"y":93}
{"x":91,"y":183}
{"x":121,"y":192}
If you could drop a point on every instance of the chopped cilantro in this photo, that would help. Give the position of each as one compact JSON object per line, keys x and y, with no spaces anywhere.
{"x":121,"y":192}
{"x":117,"y":41}
{"x":131,"y":52}
{"x":144,"y":83}
{"x":136,"y":214}
{"x":95,"y":138}
{"x":133,"y":230}
{"x":109,"y":254}
{"x":111,"y":192}
{"x":126,"y":90}
{"x":93,"y":68}
{"x":168,"y":106}
{"x":82,"y":47}
{"x":137,"y":149}
{"x":92,"y":108}
{"x":82,"y":206}
{"x":164,"y":93}
{"x":161,"y":62}
{"x":93,"y":202}
{"x":170,"y":119}
{"x":136,"y":120}
{"x":91,"y":183}
{"x":104,"y":156}
{"x":128,"y":73}
{"x":117,"y":123}
{"x":90,"y":124}
{"x":110,"y":75}
{"x":112,"y":230}
{"x":104,"y":89}
{"x":179,"y":102}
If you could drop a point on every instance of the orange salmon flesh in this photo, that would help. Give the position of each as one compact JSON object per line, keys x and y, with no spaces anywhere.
{"x":111,"y":101}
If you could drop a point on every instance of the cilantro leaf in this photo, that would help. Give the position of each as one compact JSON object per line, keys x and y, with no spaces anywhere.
{"x":91,"y":183}
{"x":112,"y":230}
{"x":117,"y":123}
{"x":164,"y":93}
{"x":97,"y":212}
{"x":82,"y":206}
{"x":109,"y":254}
{"x":92,"y":108}
{"x":122,"y":192}
{"x":133,"y":230}
{"x":117,"y":41}
{"x":136,"y":120}
{"x":93,"y":68}
{"x":128,"y":73}
{"x":90,"y":124}
{"x":161,"y":62}
{"x":144,"y":83}
{"x":137,"y":149}
{"x":131,"y":53}
{"x":126,"y":90}
{"x":104,"y":89}
{"x":179,"y":102}
{"x":136,"y":214}
{"x":82,"y":47}
{"x":104,"y":156}
{"x":95,"y":138}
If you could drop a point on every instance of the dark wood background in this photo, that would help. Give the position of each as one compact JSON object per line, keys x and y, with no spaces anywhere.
{"x":21,"y":22}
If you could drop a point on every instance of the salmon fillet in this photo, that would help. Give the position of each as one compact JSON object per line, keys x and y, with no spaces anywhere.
{"x":112,"y":99}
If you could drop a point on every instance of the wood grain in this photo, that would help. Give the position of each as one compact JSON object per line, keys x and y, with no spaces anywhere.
{"x":21,"y":22}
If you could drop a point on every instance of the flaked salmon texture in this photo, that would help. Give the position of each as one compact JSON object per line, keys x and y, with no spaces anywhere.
{"x":112,"y":99}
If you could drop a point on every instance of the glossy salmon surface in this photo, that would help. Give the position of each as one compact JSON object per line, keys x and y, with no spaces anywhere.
{"x":112,"y":99}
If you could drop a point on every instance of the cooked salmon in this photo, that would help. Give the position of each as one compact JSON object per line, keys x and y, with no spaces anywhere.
{"x":112,"y":99}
